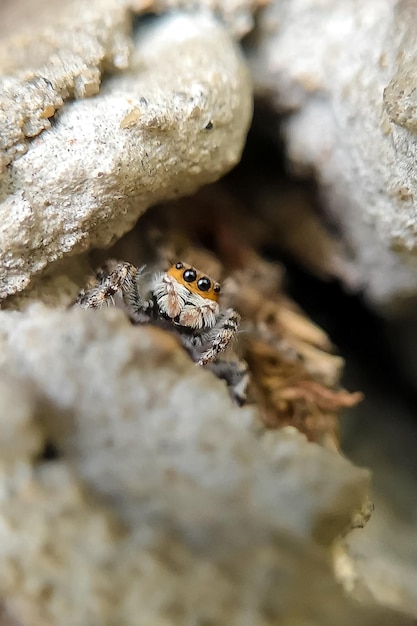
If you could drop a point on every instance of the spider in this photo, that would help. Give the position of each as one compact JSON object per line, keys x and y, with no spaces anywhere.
{"x":182,"y":299}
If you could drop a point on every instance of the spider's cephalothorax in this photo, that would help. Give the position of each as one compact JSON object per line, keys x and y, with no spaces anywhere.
{"x":187,"y":297}
{"x":181,"y":298}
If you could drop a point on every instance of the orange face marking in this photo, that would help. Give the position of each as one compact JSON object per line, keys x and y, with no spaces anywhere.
{"x":195,"y":281}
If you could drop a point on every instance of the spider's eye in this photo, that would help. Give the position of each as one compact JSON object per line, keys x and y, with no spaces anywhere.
{"x":204,"y":284}
{"x":189,"y":276}
{"x":217,"y":288}
{"x":179,"y":266}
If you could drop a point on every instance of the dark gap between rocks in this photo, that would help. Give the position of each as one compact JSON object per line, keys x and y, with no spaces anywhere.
{"x":381,"y":431}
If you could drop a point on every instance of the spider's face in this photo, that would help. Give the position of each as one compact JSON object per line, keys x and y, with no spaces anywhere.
{"x":187,"y":297}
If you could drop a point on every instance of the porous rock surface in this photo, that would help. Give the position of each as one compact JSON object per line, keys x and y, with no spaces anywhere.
{"x":167,"y":505}
{"x":177,"y":119}
{"x":344,"y":73}
{"x":53,"y":60}
{"x":60,"y":51}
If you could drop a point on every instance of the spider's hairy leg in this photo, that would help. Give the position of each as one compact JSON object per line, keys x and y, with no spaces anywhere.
{"x":107,"y":282}
{"x":114,"y":277}
{"x":220,"y":336}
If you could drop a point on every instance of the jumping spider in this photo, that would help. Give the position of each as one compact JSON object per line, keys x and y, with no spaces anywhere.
{"x":181,"y":299}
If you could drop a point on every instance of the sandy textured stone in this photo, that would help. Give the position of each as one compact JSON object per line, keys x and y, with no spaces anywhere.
{"x":344,"y":72}
{"x":238,"y":15}
{"x":168,"y":504}
{"x":103,"y":375}
{"x":40,"y":70}
{"x":383,"y":559}
{"x":60,"y":51}
{"x":177,"y":120}
{"x":20,"y":435}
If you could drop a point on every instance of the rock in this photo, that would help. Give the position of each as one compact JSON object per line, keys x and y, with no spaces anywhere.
{"x":20,"y":435}
{"x":52,"y":58}
{"x":90,"y":352}
{"x":167,"y":503}
{"x":238,"y":15}
{"x":175,"y":121}
{"x":59,"y":61}
{"x":343,"y":73}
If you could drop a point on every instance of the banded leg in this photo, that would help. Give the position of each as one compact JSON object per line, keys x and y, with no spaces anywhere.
{"x":220,"y":336}
{"x":114,"y":277}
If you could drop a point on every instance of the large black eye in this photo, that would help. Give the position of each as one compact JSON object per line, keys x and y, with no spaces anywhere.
{"x":189,"y":276}
{"x":204,"y":284}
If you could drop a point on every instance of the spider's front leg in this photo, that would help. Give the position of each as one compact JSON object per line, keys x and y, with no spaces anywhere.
{"x":114,"y":277}
{"x":220,"y":336}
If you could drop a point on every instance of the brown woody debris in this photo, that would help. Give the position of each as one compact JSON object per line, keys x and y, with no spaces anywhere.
{"x":294,"y":375}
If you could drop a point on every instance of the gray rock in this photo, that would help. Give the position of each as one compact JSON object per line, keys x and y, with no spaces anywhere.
{"x":101,"y":373}
{"x":53,"y":60}
{"x":237,"y":15}
{"x":344,"y":73}
{"x":175,"y":121}
{"x":168,"y":504}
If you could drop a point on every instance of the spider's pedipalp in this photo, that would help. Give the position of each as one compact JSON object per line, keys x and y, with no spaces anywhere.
{"x":198,"y":312}
{"x":170,"y":296}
